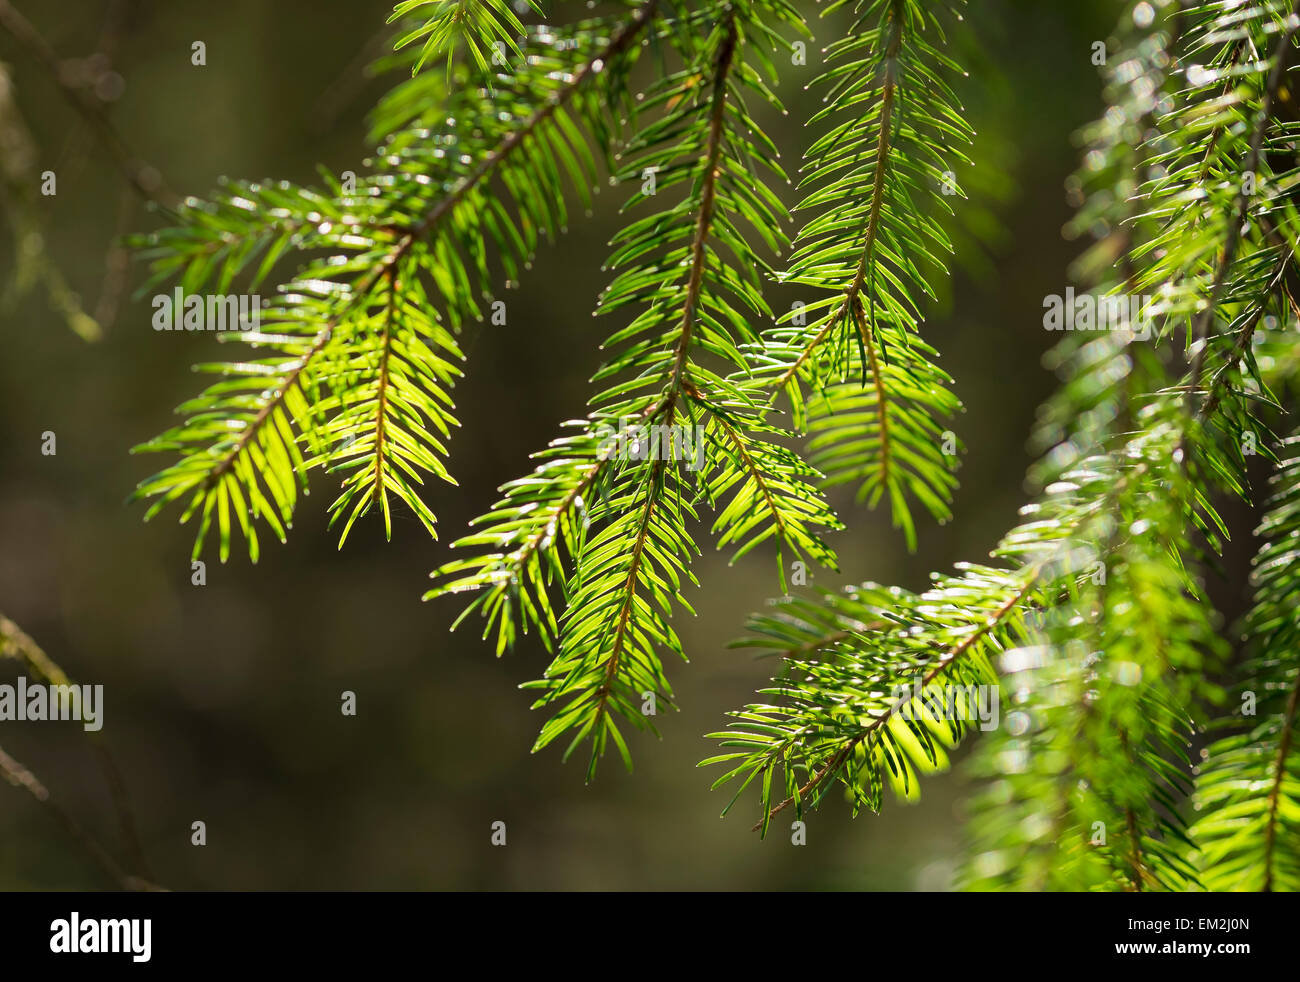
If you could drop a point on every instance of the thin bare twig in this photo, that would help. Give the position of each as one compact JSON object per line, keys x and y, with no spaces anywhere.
{"x":16,"y":643}
{"x":20,"y":777}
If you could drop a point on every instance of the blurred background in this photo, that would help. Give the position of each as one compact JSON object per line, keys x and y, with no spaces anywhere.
{"x":222,"y":702}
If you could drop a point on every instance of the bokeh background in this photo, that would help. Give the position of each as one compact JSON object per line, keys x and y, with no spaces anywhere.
{"x":222,"y":703}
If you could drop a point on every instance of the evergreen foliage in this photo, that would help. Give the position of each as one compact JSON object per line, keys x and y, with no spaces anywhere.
{"x":1091,"y":619}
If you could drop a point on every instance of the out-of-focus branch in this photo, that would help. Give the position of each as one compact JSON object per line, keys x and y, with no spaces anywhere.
{"x":20,"y":777}
{"x":16,"y":643}
{"x":143,"y":178}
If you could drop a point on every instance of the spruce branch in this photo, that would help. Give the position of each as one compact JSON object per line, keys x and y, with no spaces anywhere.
{"x":1248,"y":791}
{"x":879,"y":177}
{"x":1147,"y":615}
{"x":251,"y":438}
{"x":612,"y":527}
{"x":832,"y":767}
{"x":480,"y":25}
